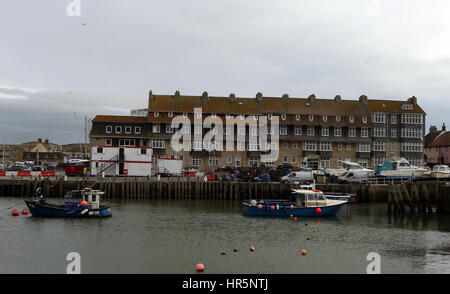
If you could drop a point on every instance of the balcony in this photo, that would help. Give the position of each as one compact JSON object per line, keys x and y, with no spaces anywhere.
{"x":363,"y":155}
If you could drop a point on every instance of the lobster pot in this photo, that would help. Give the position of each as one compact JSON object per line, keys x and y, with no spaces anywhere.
{"x":121,"y":161}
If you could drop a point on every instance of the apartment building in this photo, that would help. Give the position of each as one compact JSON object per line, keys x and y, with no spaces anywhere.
{"x":368,"y":131}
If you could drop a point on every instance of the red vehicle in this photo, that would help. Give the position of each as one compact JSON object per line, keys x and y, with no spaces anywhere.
{"x":211,"y":176}
{"x":77,"y":168}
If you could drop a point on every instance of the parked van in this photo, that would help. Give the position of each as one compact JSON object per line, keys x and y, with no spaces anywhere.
{"x":353,"y":177}
{"x":304,"y":176}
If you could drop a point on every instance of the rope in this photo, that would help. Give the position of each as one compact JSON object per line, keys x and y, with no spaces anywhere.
{"x":21,"y":202}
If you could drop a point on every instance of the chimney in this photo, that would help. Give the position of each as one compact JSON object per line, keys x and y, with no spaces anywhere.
{"x":39,"y":140}
{"x":311,"y":99}
{"x":177,"y":94}
{"x":363,"y":99}
{"x":205,"y":97}
{"x":413,"y":100}
{"x":150,"y":95}
{"x":259,"y":97}
{"x":232,"y":97}
{"x":46,"y":141}
{"x":285,"y":97}
{"x":433,"y":129}
{"x":443,"y":127}
{"x":337,"y":99}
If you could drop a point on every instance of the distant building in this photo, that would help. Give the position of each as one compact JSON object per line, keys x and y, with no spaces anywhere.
{"x":368,"y":131}
{"x":437,"y":146}
{"x":42,"y":151}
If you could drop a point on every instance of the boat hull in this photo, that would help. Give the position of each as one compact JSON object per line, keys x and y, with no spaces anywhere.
{"x":440,"y":175}
{"x":286,"y":211}
{"x":48,"y":210}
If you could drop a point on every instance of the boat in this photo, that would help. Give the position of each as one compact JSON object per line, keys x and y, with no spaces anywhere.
{"x":349,"y":167}
{"x":400,"y":168}
{"x":440,"y":172}
{"x":331,"y":195}
{"x":304,"y":202}
{"x":88,"y":207}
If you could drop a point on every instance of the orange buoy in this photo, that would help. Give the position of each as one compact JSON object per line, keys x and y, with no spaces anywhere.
{"x":83,"y":203}
{"x":295,"y":218}
{"x":291,"y":207}
{"x":15,"y":212}
{"x":291,"y":216}
{"x":318,"y":210}
{"x":252,"y":248}
{"x":200,"y":267}
{"x":25,"y":211}
{"x":259,"y":206}
{"x":303,"y":252}
{"x":272,"y":207}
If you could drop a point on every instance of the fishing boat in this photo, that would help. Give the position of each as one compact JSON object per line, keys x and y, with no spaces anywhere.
{"x":303,"y":202}
{"x":331,"y":195}
{"x":400,"y":168}
{"x":440,"y":172}
{"x":88,"y":207}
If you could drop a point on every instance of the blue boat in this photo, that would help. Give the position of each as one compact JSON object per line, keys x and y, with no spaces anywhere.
{"x":89,"y":207}
{"x":303,"y":203}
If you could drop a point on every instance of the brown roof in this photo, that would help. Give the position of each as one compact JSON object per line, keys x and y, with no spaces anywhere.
{"x":442,"y":140}
{"x":375,"y":105}
{"x":119,"y":119}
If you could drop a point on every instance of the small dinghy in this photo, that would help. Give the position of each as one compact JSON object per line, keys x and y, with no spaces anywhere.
{"x":89,"y":206}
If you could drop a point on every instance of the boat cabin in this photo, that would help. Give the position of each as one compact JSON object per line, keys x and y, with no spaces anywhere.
{"x":306,"y":198}
{"x":92,"y":197}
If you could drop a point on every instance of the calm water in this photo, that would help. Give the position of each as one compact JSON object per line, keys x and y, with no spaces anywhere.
{"x":173,"y":236}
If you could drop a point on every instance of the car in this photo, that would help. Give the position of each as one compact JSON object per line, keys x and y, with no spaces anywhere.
{"x":37,"y":168}
{"x":17,"y":167}
{"x":304,"y":176}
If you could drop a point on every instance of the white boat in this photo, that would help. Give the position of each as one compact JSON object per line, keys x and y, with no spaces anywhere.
{"x":440,"y":172}
{"x":348,"y":166}
{"x":400,"y":168}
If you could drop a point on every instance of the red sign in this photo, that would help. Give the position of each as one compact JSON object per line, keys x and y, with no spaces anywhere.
{"x":48,"y":174}
{"x":125,"y":171}
{"x":2,"y":173}
{"x":23,"y":173}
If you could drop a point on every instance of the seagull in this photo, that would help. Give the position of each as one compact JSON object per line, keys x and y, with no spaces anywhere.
{"x":85,"y":23}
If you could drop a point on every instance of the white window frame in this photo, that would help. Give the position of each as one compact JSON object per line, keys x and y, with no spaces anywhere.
{"x":110,"y":128}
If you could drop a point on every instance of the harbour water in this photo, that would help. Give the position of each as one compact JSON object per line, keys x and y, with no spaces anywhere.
{"x":172,"y":236}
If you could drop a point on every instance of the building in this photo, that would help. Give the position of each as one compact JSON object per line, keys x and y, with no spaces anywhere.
{"x":437,"y":145}
{"x":368,"y":131}
{"x":42,"y":151}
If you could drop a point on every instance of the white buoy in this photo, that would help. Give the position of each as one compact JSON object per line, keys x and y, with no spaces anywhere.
{"x":84,"y":211}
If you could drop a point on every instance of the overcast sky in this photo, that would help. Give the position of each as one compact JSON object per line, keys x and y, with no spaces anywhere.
{"x":55,"y":68}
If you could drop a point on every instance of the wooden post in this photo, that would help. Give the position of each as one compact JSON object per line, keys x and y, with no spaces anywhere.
{"x":407,"y":197}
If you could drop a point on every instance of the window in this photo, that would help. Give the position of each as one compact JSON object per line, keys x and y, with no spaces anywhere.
{"x":364,"y":147}
{"x":170,"y":114}
{"x":253,"y":145}
{"x":325,"y":118}
{"x":237,"y":161}
{"x":158,"y":143}
{"x":349,"y":147}
{"x":379,"y":118}
{"x":198,"y":129}
{"x":310,"y":131}
{"x":379,"y":146}
{"x":169,"y":129}
{"x":352,"y":119}
{"x":337,"y":131}
{"x":338,"y":118}
{"x":283,"y":130}
{"x":126,"y":142}
{"x":364,"y":132}
{"x":294,"y":159}
{"x":109,"y":129}
{"x":197,"y":145}
{"x":213,"y":161}
{"x":99,"y":150}
{"x":411,"y":147}
{"x":137,"y":130}
{"x":407,"y":106}
{"x":411,"y":133}
{"x":118,"y":129}
{"x":227,"y":116}
{"x":379,"y":132}
{"x":324,"y":163}
{"x":352,"y":132}
{"x":325,"y":131}
{"x":229,"y":159}
{"x":269,"y":116}
{"x":156,"y":128}
{"x":393,"y":133}
{"x":186,"y":129}
{"x":196,"y":160}
{"x":364,"y":119}
{"x":309,"y":146}
{"x":297,"y":117}
{"x":127,"y":129}
{"x":283,"y":116}
{"x":324,"y":146}
{"x":214,"y":115}
{"x":393,"y":119}
{"x":254,"y":130}
{"x":285,"y":145}
{"x":298,"y":130}
{"x":108,"y":142}
{"x":198,"y":115}
{"x":253,"y":161}
{"x":378,"y":161}
{"x":185,"y":114}
{"x":411,"y":119}
{"x":393,"y":146}
{"x":285,"y":159}
{"x":228,"y":130}
{"x":311,"y":117}
{"x":241,"y":129}
{"x":156,"y":114}
{"x":143,"y":151}
{"x":294,"y":145}
{"x":339,"y":147}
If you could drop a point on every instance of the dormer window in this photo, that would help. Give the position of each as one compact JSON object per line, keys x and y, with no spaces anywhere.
{"x":269,"y":116}
{"x":283,"y":116}
{"x":170,"y":114}
{"x":325,"y":118}
{"x":407,"y":106}
{"x":156,"y":114}
{"x":352,"y":119}
{"x":137,"y":130}
{"x":214,"y":115}
{"x":338,"y":118}
{"x":365,"y":119}
{"x":109,"y":129}
{"x":255,"y":117}
{"x":199,"y":115}
{"x":311,"y":117}
{"x":185,"y":114}
{"x":127,"y":129}
{"x":297,"y":117}
{"x":227,"y":116}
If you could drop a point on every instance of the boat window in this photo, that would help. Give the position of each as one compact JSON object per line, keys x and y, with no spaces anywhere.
{"x":404,"y":164}
{"x":94,"y":198}
{"x":311,"y":197}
